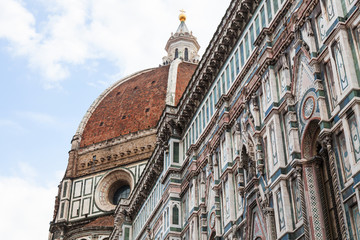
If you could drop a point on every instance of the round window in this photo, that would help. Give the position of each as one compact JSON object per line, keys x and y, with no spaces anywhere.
{"x":113,"y":187}
{"x":121,"y":192}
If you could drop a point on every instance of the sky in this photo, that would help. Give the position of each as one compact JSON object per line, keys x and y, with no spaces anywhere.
{"x":56,"y":58}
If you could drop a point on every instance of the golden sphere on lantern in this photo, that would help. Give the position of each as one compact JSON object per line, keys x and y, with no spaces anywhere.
{"x":182,"y":16}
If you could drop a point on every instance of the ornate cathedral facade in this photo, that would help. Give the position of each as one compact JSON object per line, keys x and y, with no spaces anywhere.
{"x":258,"y":139}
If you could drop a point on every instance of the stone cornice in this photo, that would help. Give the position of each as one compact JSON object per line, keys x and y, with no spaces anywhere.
{"x":184,"y":37}
{"x":115,"y":141}
{"x":224,"y":39}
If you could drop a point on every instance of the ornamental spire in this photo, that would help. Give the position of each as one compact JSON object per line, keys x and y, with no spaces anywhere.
{"x":182,"y":44}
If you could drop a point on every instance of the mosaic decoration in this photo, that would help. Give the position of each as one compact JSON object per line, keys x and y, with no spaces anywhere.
{"x":314,"y":203}
{"x":273,"y":144}
{"x":340,"y":67}
{"x":356,"y":219}
{"x":305,"y":77}
{"x":257,"y":229}
{"x":280,"y":210}
{"x":344,"y":156}
{"x":330,"y":9}
{"x":354,"y":130}
{"x":308,"y":107}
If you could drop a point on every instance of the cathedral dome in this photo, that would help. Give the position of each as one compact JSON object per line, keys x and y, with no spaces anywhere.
{"x":134,"y":103}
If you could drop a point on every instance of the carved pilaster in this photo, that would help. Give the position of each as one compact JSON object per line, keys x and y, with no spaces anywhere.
{"x":269,"y":215}
{"x":292,"y":128}
{"x":327,"y":141}
{"x":259,"y":156}
{"x":270,"y":223}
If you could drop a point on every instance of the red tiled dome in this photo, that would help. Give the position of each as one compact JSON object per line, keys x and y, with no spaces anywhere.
{"x":133,"y":104}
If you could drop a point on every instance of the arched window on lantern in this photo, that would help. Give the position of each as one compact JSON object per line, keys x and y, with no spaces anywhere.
{"x":176,"y":53}
{"x":175,"y":215}
{"x":186,"y":54}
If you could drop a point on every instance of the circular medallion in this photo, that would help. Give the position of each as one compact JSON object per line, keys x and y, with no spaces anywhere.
{"x":212,"y":220}
{"x":309,"y":107}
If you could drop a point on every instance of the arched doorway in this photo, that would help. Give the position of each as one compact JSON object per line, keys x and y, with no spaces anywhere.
{"x":319,"y":185}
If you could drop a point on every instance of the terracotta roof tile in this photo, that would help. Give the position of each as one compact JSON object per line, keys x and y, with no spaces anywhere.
{"x":134,"y":105}
{"x":107,"y":221}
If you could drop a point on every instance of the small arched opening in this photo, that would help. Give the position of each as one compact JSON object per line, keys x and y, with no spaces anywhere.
{"x":175,"y":215}
{"x":176,"y":53}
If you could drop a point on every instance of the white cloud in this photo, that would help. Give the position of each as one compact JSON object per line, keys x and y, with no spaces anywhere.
{"x":5,"y":123}
{"x":130,"y":34}
{"x":16,"y":25}
{"x":28,"y":205}
{"x":26,"y":171}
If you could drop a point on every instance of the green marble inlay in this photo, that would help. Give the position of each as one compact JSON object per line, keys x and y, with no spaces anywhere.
{"x":295,"y":155}
{"x":320,"y":93}
{"x":174,"y":229}
{"x":314,"y":54}
{"x":291,"y":108}
{"x":325,"y":124}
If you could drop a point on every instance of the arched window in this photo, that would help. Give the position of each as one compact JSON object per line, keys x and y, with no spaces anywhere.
{"x":186,"y":54}
{"x":176,"y":53}
{"x":175,"y":215}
